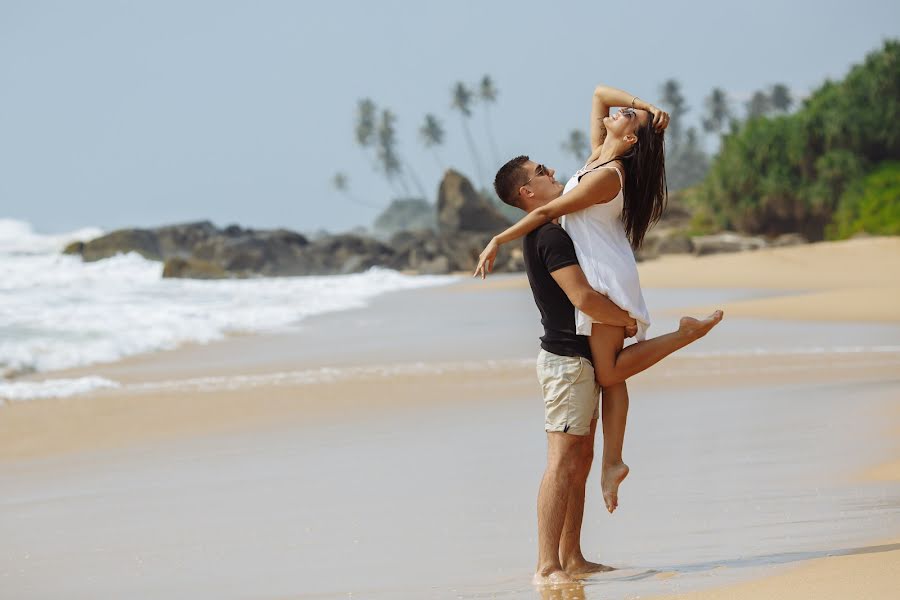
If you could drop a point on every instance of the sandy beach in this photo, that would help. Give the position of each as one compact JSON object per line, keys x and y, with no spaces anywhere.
{"x":394,"y":451}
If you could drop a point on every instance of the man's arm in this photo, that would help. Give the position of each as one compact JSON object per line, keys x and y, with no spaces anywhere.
{"x":588,"y":300}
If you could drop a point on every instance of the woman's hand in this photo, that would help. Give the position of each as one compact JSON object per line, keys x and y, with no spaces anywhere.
{"x":631,"y":330}
{"x":486,"y":259}
{"x":660,"y":117}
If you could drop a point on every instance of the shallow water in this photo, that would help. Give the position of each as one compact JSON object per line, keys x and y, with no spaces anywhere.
{"x":437,"y":501}
{"x":433,"y":503}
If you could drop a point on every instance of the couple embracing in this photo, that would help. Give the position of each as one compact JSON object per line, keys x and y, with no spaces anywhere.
{"x":578,"y":248}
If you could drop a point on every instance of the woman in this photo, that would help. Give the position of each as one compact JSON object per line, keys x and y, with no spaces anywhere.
{"x":607,"y":207}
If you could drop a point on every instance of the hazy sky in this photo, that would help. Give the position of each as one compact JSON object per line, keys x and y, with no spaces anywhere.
{"x":126,"y":113}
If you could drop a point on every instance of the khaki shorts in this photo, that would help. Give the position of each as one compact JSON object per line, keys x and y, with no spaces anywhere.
{"x":571,"y":393}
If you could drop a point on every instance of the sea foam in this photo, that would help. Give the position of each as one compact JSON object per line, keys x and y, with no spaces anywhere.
{"x":58,"y":312}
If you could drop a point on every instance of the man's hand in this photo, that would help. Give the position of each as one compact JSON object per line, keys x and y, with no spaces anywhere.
{"x":660,"y":118}
{"x":486,"y":259}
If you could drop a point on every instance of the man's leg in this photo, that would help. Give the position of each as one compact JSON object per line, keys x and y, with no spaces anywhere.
{"x":570,"y":554}
{"x":563,"y":468}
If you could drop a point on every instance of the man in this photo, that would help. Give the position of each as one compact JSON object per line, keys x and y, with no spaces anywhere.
{"x":571,"y":392}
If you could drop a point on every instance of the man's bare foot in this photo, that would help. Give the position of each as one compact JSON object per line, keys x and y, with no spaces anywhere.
{"x":553,"y":578}
{"x":583,"y":568}
{"x":697,"y":328}
{"x":610,"y":478}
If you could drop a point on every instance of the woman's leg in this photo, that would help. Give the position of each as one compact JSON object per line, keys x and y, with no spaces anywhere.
{"x":606,"y":342}
{"x":612,"y":366}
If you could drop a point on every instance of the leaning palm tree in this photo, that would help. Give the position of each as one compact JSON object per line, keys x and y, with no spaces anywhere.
{"x":462,"y":102}
{"x":392,"y":164}
{"x":386,"y":150}
{"x":673,"y":99}
{"x":577,"y":145}
{"x":432,"y":135}
{"x":487,"y":93}
{"x":718,"y":112}
{"x":341,"y":183}
{"x":781,"y":97}
{"x":364,"y":132}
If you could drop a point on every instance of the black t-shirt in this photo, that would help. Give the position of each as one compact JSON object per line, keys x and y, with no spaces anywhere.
{"x":547,"y":249}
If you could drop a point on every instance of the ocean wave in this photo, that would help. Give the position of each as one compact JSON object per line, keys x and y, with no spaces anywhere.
{"x":18,"y":391}
{"x":58,"y":312}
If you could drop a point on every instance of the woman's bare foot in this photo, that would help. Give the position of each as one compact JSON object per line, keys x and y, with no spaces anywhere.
{"x":610,"y":478}
{"x":583,"y":568}
{"x":553,"y":578}
{"x":697,"y":328}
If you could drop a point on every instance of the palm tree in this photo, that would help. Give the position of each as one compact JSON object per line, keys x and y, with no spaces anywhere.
{"x":387,"y":151}
{"x":717,"y":111}
{"x":365,"y":125}
{"x":781,"y":97}
{"x":487,"y":92}
{"x":462,"y":102}
{"x":341,"y":183}
{"x":432,"y":135}
{"x":392,"y":162}
{"x":759,"y":105}
{"x":673,"y":99}
{"x":577,"y":145}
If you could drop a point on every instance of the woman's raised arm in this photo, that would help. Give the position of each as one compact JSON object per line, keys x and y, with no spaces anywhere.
{"x":606,"y":97}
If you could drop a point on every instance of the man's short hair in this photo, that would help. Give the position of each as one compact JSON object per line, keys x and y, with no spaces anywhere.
{"x":509,"y":179}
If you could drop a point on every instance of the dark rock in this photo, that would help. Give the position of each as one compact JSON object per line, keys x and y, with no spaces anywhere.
{"x":665,"y":240}
{"x":74,"y":248}
{"x":180,"y":240}
{"x":788,"y":239}
{"x":461,"y":208}
{"x":193,"y":268}
{"x":142,"y":241}
{"x":727,"y":241}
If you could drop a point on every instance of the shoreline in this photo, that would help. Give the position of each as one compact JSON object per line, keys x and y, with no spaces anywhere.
{"x":435,"y":365}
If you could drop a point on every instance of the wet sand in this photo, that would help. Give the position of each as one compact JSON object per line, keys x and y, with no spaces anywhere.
{"x":395,"y":452}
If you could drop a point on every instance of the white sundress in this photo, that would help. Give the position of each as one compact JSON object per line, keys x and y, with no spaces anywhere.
{"x":605,"y":256}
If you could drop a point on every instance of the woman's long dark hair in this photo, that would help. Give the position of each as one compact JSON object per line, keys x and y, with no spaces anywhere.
{"x":645,"y":189}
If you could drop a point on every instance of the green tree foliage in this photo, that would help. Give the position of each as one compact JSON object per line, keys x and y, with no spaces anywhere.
{"x":870,"y":204}
{"x":788,"y":172}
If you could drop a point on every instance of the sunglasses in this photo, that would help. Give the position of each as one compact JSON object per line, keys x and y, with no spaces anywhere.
{"x":540,"y":171}
{"x":628,"y":113}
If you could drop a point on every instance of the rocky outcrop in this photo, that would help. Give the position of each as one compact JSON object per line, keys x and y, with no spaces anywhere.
{"x":727,"y":241}
{"x":202,"y":250}
{"x":461,"y":208}
{"x":425,"y":252}
{"x":192,"y":268}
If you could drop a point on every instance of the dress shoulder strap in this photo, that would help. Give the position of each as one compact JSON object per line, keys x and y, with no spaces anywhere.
{"x":606,"y":165}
